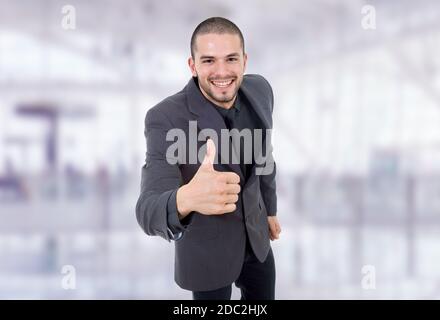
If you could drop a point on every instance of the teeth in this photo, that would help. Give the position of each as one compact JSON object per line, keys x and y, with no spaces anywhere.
{"x":222,"y":84}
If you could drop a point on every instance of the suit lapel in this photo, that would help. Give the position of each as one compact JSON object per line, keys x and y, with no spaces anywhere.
{"x":255,"y":105}
{"x":258,"y":150}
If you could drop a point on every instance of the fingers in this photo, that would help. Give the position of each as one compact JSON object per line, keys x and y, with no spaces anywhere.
{"x":230,"y":177}
{"x":232,"y":188}
{"x":273,"y":235}
{"x":274,"y":229}
{"x":230,"y":207}
{"x":226,"y":204}
{"x":229,"y":182}
{"x":226,"y":208}
{"x":230,"y":198}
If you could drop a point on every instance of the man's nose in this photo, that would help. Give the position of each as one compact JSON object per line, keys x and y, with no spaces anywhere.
{"x":221,"y":70}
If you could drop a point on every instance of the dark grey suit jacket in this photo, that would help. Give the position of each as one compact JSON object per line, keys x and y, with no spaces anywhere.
{"x":210,"y":253}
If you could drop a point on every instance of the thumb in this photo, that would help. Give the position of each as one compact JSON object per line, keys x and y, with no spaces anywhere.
{"x":208,"y":161}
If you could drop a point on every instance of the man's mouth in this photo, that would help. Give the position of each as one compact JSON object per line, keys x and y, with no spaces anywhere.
{"x":222,"y":83}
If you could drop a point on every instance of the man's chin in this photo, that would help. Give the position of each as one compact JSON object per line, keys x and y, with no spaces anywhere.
{"x":223,"y":99}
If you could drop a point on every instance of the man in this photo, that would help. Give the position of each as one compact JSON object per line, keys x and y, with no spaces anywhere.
{"x":220,"y":214}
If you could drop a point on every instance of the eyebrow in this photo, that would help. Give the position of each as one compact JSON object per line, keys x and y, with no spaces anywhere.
{"x":235,"y":54}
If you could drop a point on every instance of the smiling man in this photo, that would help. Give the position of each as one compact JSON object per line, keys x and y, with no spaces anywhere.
{"x":221,"y":216}
{"x":219,"y":67}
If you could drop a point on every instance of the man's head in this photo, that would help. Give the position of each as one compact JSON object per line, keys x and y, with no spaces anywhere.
{"x":218,"y":59}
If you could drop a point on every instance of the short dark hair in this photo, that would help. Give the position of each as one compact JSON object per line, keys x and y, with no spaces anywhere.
{"x":217,"y":25}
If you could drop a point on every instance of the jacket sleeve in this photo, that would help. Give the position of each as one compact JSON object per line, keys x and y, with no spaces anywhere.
{"x":268,"y":182}
{"x":159,"y":181}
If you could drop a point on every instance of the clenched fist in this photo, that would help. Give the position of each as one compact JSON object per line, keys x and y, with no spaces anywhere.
{"x":209,"y":192}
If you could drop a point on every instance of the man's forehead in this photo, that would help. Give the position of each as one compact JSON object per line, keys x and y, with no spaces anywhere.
{"x":218,"y":44}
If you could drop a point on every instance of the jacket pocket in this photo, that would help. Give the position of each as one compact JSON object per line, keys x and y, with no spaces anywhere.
{"x":203,"y":233}
{"x":202,"y":227}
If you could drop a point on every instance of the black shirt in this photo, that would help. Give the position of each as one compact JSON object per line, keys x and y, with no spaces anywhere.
{"x":241,"y":116}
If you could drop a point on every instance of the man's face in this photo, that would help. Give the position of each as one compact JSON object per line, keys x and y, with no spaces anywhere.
{"x":219,"y":65}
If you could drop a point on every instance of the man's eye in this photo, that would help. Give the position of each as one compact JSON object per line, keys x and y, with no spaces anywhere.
{"x":206,"y":61}
{"x":233,"y":59}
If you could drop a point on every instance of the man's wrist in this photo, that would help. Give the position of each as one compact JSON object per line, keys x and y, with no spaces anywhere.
{"x":183,"y":207}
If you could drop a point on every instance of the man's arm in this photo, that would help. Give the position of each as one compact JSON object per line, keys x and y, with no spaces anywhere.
{"x":159,"y":183}
{"x":268,"y":186}
{"x":268,"y":182}
{"x":268,"y":191}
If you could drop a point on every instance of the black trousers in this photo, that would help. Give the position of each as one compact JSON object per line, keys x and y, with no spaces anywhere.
{"x":256,"y":280}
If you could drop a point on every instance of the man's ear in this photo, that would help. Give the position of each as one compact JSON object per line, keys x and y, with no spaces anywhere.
{"x":244,"y":62}
{"x":192,"y":66}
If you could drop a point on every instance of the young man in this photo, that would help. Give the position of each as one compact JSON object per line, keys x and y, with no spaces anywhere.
{"x":221,"y":214}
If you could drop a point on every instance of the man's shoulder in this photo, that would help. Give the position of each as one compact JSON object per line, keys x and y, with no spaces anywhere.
{"x":256,"y":82}
{"x":168,"y":106}
{"x":171,"y":102}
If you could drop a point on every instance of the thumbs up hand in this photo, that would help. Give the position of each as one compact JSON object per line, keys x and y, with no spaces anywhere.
{"x":209,"y":192}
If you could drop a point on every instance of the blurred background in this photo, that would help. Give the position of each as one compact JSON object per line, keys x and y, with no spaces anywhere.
{"x":356,"y":140}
